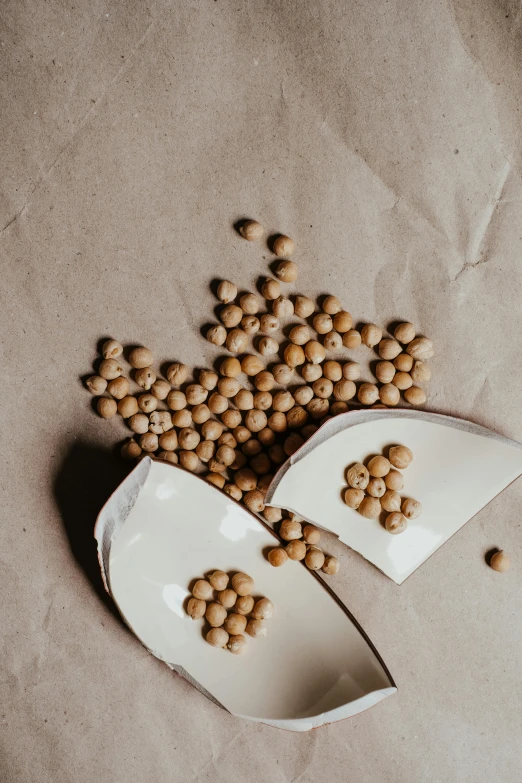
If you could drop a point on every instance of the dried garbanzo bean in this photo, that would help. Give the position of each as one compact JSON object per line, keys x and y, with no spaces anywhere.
{"x":217,"y":637}
{"x":358,"y":476}
{"x":235,"y":624}
{"x":231,"y":315}
{"x":128,"y":407}
{"x":242,"y":434}
{"x":353,"y":497}
{"x":149,"y":441}
{"x":119,"y":387}
{"x":389,"y":393}
{"x":252,"y":447}
{"x":300,"y":334}
{"x":200,"y":413}
{"x":130,"y":450}
{"x":269,"y":323}
{"x":332,"y":341}
{"x":303,"y":306}
{"x":255,"y":420}
{"x":160,"y":389}
{"x":318,"y":408}
{"x":400,"y":457}
{"x":110,"y":369}
{"x":268,"y":346}
{"x":311,"y":372}
{"x":216,"y":334}
{"x":500,"y":562}
{"x":244,"y":604}
{"x":351,"y":339}
{"x":371,"y":335}
{"x":245,"y":479}
{"x":251,"y":365}
{"x":404,"y":333}
{"x":249,"y":304}
{"x":322,"y":323}
{"x":176,"y":400}
{"x":96,"y":384}
{"x":188,"y":438}
{"x":215,"y":614}
{"x":256,"y":628}
{"x":227,"y":387}
{"x":140,"y":357}
{"x":308,"y":430}
{"x":303,"y":394}
{"x":262,"y":400}
{"x":145,"y":377}
{"x":203,"y":590}
{"x":160,"y":422}
{"x":314,"y":352}
{"x":227,"y":597}
{"x":236,"y":644}
{"x":296,"y":417}
{"x":189,"y":460}
{"x":196,"y":608}
{"x":264,"y":380}
{"x":370,"y":507}
{"x":394,"y":480}
{"x":277,"y":422}
{"x":205,"y":450}
{"x":177,"y":373}
{"x":169,"y":440}
{"x":314,"y":559}
{"x":411,"y":508}
{"x":111,"y":349}
{"x":195,"y":394}
{"x":292,"y":444}
{"x":344,"y":390}
{"x":271,"y":289}
{"x":376,"y":487}
{"x":290,"y":530}
{"x":379,"y":466}
{"x":237,"y":341}
{"x":420,"y":348}
{"x":147,"y":403}
{"x":272,"y":514}
{"x":296,"y":550}
{"x":231,"y":418}
{"x":283,"y":246}
{"x":391,"y":501}
{"x":277,"y":453}
{"x":244,"y":400}
{"x":331,"y":565}
{"x":168,"y":456}
{"x":226,"y":291}
{"x":287,"y":271}
{"x":333,"y":371}
{"x":219,"y":580}
{"x":250,"y":324}
{"x":216,"y":479}
{"x":233,"y":490}
{"x":277,"y":557}
{"x":389,"y":349}
{"x":283,"y":401}
{"x":242,"y":583}
{"x":263,"y":609}
{"x":139,"y":423}
{"x":337,"y":407}
{"x":403,"y":362}
{"x":342,"y":321}
{"x":230,"y":367}
{"x":323,"y":388}
{"x":226,"y":454}
{"x":351,"y":371}
{"x":311,"y":534}
{"x":266,"y":436}
{"x":385,"y":372}
{"x":415,"y":395}
{"x":294,"y":355}
{"x":331,"y":305}
{"x":107,"y":407}
{"x":282,"y":307}
{"x":395,"y":523}
{"x":251,"y":230}
{"x":421,"y":372}
{"x":368,"y":393}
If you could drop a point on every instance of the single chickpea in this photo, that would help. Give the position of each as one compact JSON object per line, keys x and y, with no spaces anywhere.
{"x":337,"y":407}
{"x":244,"y":604}
{"x":216,"y":479}
{"x":389,"y":349}
{"x":290,"y":530}
{"x":195,"y":394}
{"x":389,"y":393}
{"x":292,"y":444}
{"x":111,"y":349}
{"x":203,"y":590}
{"x":331,"y":565}
{"x":421,"y":372}
{"x":296,"y":550}
{"x":402,"y":381}
{"x":217,"y":637}
{"x":351,"y":371}
{"x":342,"y":321}
{"x":353,"y":497}
{"x":252,"y":365}
{"x":415,"y":395}
{"x":145,"y":377}
{"x":300,"y":334}
{"x":256,"y":628}
{"x":269,"y":323}
{"x":188,"y":439}
{"x":311,"y":372}
{"x":227,"y":388}
{"x":266,"y":436}
{"x":283,"y":401}
{"x":314,"y":352}
{"x":236,"y":644}
{"x":160,"y":389}
{"x":231,"y":316}
{"x":261,"y":463}
{"x":271,"y":289}
{"x":227,"y":597}
{"x":287,"y":271}
{"x":249,"y":304}
{"x":251,"y":230}
{"x":268,"y":346}
{"x":333,"y":371}
{"x":130,"y":450}
{"x":379,"y":466}
{"x":147,"y":403}
{"x":303,"y":306}
{"x":139,"y":423}
{"x":283,"y":246}
{"x":230,"y":367}
{"x":309,"y":430}
{"x":351,"y":339}
{"x":376,"y":487}
{"x":168,"y":456}
{"x":368,"y":393}
{"x":404,"y":333}
{"x":230,"y":418}
{"x":396,"y":523}
{"x":277,"y":557}
{"x":176,"y":400}
{"x":264,"y":381}
{"x":263,"y":609}
{"x":216,"y":335}
{"x":314,"y":559}
{"x":226,"y":291}
{"x":403,"y":362}
{"x":294,"y":355}
{"x":391,"y":501}
{"x":160,"y":422}
{"x":106,"y":407}
{"x":110,"y":369}
{"x":385,"y":372}
{"x":344,"y":390}
{"x":252,"y":447}
{"x":250,"y":324}
{"x":235,"y":624}
{"x":242,"y":583}
{"x":283,"y":373}
{"x":303,"y":394}
{"x":119,"y":388}
{"x":189,"y":460}
{"x":322,"y":323}
{"x":277,"y":453}
{"x":272,"y":514}
{"x":323,"y":388}
{"x":371,"y":335}
{"x":244,"y":400}
{"x":242,"y":434}
{"x":255,"y":420}
{"x":200,"y":413}
{"x":196,"y":608}
{"x":96,"y":384}
{"x":400,"y":457}
{"x":205,"y":450}
{"x":246,"y":479}
{"x":370,"y":507}
{"x":282,"y":307}
{"x":420,"y":348}
{"x":233,"y":491}
{"x":500,"y":561}
{"x":332,"y":341}
{"x":394,"y":480}
{"x":358,"y":476}
{"x":411,"y":508}
{"x":297,"y":417}
{"x":237,"y":341}
{"x":262,"y":400}
{"x":317,"y":408}
{"x":226,"y":454}
{"x":331,"y":305}
{"x":140,"y":357}
{"x":168,"y":440}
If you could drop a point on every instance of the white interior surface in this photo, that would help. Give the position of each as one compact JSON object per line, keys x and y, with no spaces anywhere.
{"x":457,"y":469}
{"x":313,"y":667}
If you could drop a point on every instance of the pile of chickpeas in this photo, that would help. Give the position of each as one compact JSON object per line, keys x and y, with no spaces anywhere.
{"x":375,"y":488}
{"x":237,"y":423}
{"x":229,"y":611}
{"x":302,"y":545}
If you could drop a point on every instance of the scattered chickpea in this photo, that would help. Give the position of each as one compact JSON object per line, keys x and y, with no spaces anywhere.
{"x":303,"y":394}
{"x":107,"y":407}
{"x":370,"y":507}
{"x":331,"y":565}
{"x":317,"y":408}
{"x":403,"y":362}
{"x":331,"y":305}
{"x":402,"y":381}
{"x":368,"y":393}
{"x":217,"y":637}
{"x":246,"y":479}
{"x":149,"y":441}
{"x":311,"y":372}
{"x":111,"y":349}
{"x":200,"y":413}
{"x":277,"y":557}
{"x":300,"y":334}
{"x":160,"y":422}
{"x":385,"y":372}
{"x":189,"y":460}
{"x":110,"y":369}
{"x":376,"y":487}
{"x":256,"y":628}
{"x":216,"y":334}
{"x":314,"y":559}
{"x":139,"y":423}
{"x":251,"y":230}
{"x":296,"y":417}
{"x":237,"y":341}
{"x":196,"y":608}
{"x":182,"y":418}
{"x":235,"y":624}
{"x":195,"y":394}
{"x":169,"y":440}
{"x":371,"y":335}
{"x":358,"y":476}
{"x":269,"y":323}
{"x":389,"y":393}
{"x":242,"y":583}
{"x":227,"y":387}
{"x":218,"y":403}
{"x":227,"y":597}
{"x":391,"y":501}
{"x":333,"y":371}
{"x":394,"y":480}
{"x":337,"y":407}
{"x":303,"y":306}
{"x":249,"y":304}
{"x":130,"y":450}
{"x":168,"y":456}
{"x":396,"y":523}
{"x":250,"y":324}
{"x":255,"y":420}
{"x":271,"y":289}
{"x":216,"y":479}
{"x":309,"y":430}
{"x":292,"y":444}
{"x":314,"y":352}
{"x":140,"y":357}
{"x":272,"y":514}
{"x":118,"y":388}
{"x":277,"y":453}
{"x":263,"y":609}
{"x":230,"y":418}
{"x":389,"y":349}
{"x":254,"y":501}
{"x":352,"y":339}
{"x":404,"y":333}
{"x":323,"y":388}
{"x":233,"y":491}
{"x":500,"y":562}
{"x":296,"y":550}
{"x":205,"y":450}
{"x":283,"y":246}
{"x":145,"y":377}
{"x":96,"y":384}
{"x":311,"y":534}
{"x":231,"y":315}
{"x":177,"y":373}
{"x":160,"y":389}
{"x":287,"y":271}
{"x":290,"y":530}
{"x":294,"y":355}
{"x":421,"y":372}
{"x":283,"y":401}
{"x":226,"y":291}
{"x":378,"y":466}
{"x":411,"y":508}
{"x":343,"y":321}
{"x":353,"y":497}
{"x":236,"y":644}
{"x":262,"y":400}
{"x":400,"y":457}
{"x":203,"y":590}
{"x":242,"y":434}
{"x":344,"y":390}
{"x":282,"y":307}
{"x":230,"y":367}
{"x":147,"y":403}
{"x":322,"y":323}
{"x":420,"y":348}
{"x":268,"y":346}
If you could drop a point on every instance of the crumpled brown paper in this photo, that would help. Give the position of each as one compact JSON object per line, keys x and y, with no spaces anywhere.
{"x":385,"y":138}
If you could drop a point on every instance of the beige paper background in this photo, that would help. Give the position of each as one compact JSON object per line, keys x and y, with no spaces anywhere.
{"x":384,"y":137}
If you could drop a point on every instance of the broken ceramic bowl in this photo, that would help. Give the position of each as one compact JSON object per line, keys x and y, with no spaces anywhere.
{"x":165,"y":527}
{"x":458,"y":467}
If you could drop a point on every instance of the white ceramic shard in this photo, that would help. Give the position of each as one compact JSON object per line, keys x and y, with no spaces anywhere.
{"x":165,"y":527}
{"x":458,"y":468}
